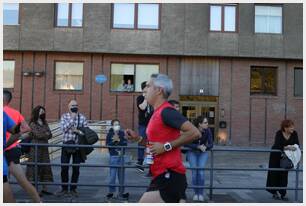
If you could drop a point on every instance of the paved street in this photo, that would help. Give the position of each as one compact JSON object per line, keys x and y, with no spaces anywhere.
{"x":221,"y":179}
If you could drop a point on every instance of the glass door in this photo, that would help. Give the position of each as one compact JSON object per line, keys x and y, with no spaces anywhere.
{"x":193,"y":109}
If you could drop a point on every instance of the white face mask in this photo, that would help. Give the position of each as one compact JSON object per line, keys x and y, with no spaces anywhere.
{"x":116,"y":127}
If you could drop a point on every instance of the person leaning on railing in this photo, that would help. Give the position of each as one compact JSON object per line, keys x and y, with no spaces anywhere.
{"x":285,"y":138}
{"x":40,"y":134}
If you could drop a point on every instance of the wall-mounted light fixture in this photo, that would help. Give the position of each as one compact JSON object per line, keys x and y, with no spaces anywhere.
{"x":26,"y":74}
{"x":222,"y":113}
{"x":201,"y":91}
{"x":38,"y":74}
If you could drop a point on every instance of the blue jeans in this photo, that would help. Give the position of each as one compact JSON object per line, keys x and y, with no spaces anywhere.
{"x":115,"y":171}
{"x":140,"y":152}
{"x":198,"y":159}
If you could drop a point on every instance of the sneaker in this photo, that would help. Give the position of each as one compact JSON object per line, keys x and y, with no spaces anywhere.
{"x":276,"y":196}
{"x":140,"y":169}
{"x":201,"y":198}
{"x":109,"y":195}
{"x":284,"y":198}
{"x":44,"y":192}
{"x":62,"y":193}
{"x":125,"y":195}
{"x":195,"y":198}
{"x":74,"y":193}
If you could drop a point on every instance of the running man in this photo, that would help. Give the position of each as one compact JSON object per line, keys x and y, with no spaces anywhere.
{"x":167,"y":131}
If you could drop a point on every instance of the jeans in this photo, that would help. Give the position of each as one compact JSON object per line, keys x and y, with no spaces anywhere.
{"x":142,"y":132}
{"x":198,"y":159}
{"x":115,"y":171}
{"x":76,"y":159}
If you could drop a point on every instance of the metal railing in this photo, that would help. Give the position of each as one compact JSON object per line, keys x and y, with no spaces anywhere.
{"x":121,"y":185}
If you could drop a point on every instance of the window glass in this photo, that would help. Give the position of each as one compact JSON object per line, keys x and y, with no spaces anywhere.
{"x":263,"y":80}
{"x":62,"y":14}
{"x":298,"y":82}
{"x":229,"y":18}
{"x":123,"y":16}
{"x":69,"y":76}
{"x":148,"y":16}
{"x":143,"y":73}
{"x":10,"y":14}
{"x":8,"y":73}
{"x":268,"y":19}
{"x":122,"y":77}
{"x":215,"y":18}
{"x":77,"y":15}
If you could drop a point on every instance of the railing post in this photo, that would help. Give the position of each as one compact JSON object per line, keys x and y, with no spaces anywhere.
{"x":121,"y":170}
{"x":211,"y":174}
{"x":296,"y":183}
{"x":36,"y":167}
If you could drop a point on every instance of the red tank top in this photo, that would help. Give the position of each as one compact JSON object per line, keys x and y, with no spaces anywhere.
{"x":157,"y":131}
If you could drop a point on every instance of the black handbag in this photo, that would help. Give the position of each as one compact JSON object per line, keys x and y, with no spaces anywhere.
{"x":285,"y":162}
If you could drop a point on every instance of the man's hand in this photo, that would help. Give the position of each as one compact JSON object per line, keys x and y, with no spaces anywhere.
{"x":73,"y":115}
{"x":157,"y":148}
{"x":202,"y":147}
{"x":115,"y":138}
{"x":131,"y":135}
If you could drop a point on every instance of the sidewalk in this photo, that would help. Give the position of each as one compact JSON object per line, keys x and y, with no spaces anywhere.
{"x":221,"y":179}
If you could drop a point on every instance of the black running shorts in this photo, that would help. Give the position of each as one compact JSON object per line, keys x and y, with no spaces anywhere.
{"x":171,"y":185}
{"x":13,"y":155}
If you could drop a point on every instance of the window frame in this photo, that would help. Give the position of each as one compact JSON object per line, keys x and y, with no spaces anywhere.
{"x":222,"y":18}
{"x":272,"y":5}
{"x":264,"y":93}
{"x":294,"y":80}
{"x":136,"y":18}
{"x":18,"y":23}
{"x":69,"y":16}
{"x":14,"y":60}
{"x":134,"y":63}
{"x":67,"y":90}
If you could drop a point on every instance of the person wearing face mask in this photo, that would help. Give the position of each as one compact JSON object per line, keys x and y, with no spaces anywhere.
{"x":40,"y":133}
{"x":70,"y":122}
{"x":116,"y":137}
{"x":198,"y":155}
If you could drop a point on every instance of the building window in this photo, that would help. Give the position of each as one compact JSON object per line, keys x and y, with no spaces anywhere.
{"x":69,"y":76}
{"x":10,"y":14}
{"x":136,"y":16}
{"x":268,"y":19}
{"x":263,"y":80}
{"x":128,"y":77}
{"x":69,"y":15}
{"x":298,"y":82}
{"x":223,"y":18}
{"x":8,"y":73}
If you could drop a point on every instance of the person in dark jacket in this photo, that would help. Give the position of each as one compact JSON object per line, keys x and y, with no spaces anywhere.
{"x":116,"y":137}
{"x":285,"y":138}
{"x":198,"y":155}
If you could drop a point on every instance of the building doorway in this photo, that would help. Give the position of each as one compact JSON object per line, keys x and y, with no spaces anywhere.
{"x":194,"y":106}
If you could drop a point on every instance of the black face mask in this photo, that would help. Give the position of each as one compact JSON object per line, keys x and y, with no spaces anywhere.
{"x":74,"y":110}
{"x":42,"y":116}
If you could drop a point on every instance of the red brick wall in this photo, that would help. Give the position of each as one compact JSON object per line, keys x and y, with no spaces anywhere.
{"x":247,"y":116}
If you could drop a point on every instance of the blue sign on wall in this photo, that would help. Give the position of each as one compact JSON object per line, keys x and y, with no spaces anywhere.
{"x":100,"y":78}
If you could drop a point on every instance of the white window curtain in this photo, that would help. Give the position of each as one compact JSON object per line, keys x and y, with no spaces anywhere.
{"x":143,"y":73}
{"x":8,"y":74}
{"x":69,"y":76}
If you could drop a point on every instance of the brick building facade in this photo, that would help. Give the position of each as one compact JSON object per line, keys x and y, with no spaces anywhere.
{"x":212,"y":71}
